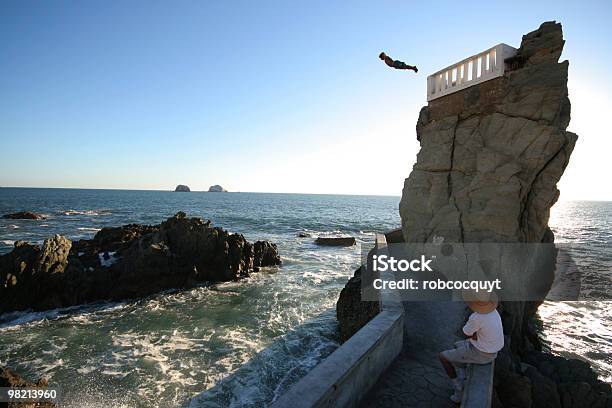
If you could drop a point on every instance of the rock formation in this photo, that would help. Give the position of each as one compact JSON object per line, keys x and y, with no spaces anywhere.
{"x":24,"y":215}
{"x":353,"y":313}
{"x":336,"y":241}
{"x":10,"y":379}
{"x":127,"y":262}
{"x":491,"y":156}
{"x":216,"y":189}
{"x":182,"y":188}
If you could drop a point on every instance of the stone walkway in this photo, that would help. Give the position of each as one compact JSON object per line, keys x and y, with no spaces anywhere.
{"x":416,"y":378}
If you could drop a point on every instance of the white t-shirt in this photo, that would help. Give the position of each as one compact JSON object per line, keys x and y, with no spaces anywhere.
{"x":488,"y":329}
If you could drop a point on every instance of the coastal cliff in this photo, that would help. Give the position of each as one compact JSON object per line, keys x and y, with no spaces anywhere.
{"x":127,"y":262}
{"x":487,"y":171}
{"x":491,"y":157}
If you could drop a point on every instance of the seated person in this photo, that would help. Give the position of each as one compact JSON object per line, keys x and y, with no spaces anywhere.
{"x":485,"y":338}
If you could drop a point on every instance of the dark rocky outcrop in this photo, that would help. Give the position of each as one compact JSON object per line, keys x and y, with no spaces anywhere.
{"x":127,"y":262}
{"x":336,"y":241}
{"x":10,"y":379}
{"x":216,"y":189}
{"x":394,"y":236}
{"x":24,"y":215}
{"x":182,"y":188}
{"x":353,"y":313}
{"x":539,"y":379}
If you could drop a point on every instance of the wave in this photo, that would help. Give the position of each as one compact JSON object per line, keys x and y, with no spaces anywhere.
{"x":13,"y":320}
{"x":87,"y":212}
{"x":90,"y":229}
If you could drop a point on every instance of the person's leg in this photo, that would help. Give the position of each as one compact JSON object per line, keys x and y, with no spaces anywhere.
{"x":448,"y":366}
{"x":460,"y":368}
{"x":453,"y":360}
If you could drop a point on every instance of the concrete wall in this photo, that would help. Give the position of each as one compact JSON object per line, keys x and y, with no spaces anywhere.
{"x":479,"y":387}
{"x":345,"y":377}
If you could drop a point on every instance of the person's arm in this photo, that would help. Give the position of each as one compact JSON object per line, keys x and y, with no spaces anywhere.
{"x":471,"y":327}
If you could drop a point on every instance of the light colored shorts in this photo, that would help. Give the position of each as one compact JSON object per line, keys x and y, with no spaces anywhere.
{"x":465,"y":353}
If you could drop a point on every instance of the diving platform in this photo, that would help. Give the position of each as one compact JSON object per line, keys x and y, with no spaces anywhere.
{"x":474,"y":70}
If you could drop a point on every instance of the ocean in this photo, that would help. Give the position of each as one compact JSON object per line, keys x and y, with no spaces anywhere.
{"x":239,"y":344}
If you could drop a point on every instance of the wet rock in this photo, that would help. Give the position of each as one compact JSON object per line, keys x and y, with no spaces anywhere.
{"x":24,"y":215}
{"x":10,"y":379}
{"x":127,"y":262}
{"x":182,"y":188}
{"x":336,"y":241}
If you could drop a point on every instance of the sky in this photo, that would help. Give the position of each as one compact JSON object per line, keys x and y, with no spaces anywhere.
{"x":266,"y":96}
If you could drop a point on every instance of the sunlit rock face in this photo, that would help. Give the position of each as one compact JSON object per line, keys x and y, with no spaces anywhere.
{"x":492,"y":154}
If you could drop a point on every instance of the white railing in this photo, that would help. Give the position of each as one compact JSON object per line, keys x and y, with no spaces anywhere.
{"x":471,"y":71}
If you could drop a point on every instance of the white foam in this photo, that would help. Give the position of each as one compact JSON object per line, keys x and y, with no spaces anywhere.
{"x":107,"y":262}
{"x":83,"y":370}
{"x":87,"y":212}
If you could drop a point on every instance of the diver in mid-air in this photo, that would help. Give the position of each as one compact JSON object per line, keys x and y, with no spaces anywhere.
{"x":395,"y":63}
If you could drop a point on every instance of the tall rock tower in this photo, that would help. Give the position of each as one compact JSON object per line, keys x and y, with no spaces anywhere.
{"x":492,"y":154}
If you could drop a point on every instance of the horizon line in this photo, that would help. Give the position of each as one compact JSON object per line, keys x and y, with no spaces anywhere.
{"x":195,"y":191}
{"x":250,"y":192}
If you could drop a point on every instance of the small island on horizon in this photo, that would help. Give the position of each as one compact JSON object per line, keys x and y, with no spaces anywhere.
{"x":217,"y":189}
{"x":182,"y":188}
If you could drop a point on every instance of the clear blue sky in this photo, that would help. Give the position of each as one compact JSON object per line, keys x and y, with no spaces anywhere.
{"x":259,"y":96}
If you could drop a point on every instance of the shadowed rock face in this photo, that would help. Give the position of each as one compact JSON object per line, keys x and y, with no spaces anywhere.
{"x":491,"y":155}
{"x":353,"y":313}
{"x":127,"y":262}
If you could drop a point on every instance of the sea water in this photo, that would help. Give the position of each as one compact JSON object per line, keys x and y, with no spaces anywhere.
{"x":238,"y":343}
